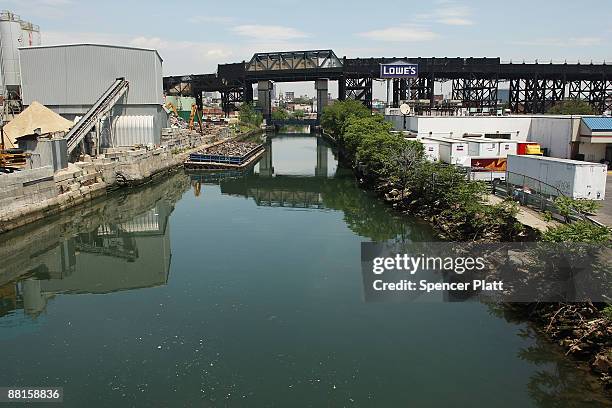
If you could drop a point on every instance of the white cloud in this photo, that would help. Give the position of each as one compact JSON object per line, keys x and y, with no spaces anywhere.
{"x":180,"y":57}
{"x":561,"y":42}
{"x":269,"y":32}
{"x":405,"y":33}
{"x":149,"y":42}
{"x":64,"y":37}
{"x":457,"y":21}
{"x":449,"y":13}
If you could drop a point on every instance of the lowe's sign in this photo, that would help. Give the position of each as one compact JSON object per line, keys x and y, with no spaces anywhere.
{"x":399,"y":70}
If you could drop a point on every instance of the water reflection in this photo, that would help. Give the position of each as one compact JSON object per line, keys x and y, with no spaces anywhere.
{"x":253,"y":284}
{"x":120,"y":243}
{"x":557,"y":381}
{"x":315,"y":183}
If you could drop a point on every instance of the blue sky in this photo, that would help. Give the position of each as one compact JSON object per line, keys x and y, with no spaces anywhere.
{"x":194,"y":36}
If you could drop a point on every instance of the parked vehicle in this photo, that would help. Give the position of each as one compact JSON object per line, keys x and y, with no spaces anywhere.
{"x":507,"y":147}
{"x":432,"y":150}
{"x":451,"y":150}
{"x":485,"y":168}
{"x":533,"y":148}
{"x":575,"y":179}
{"x":483,"y":147}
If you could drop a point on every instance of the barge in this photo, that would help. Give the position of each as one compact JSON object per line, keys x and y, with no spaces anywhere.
{"x":227,"y":156}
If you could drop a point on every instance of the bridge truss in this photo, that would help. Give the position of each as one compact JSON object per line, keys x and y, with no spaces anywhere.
{"x":533,"y":87}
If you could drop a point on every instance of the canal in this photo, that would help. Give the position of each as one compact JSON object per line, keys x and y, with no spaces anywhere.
{"x":246,"y":290}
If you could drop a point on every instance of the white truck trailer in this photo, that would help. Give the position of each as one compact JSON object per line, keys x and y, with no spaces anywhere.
{"x":483,"y":147}
{"x":573,"y":178}
{"x":432,"y":150}
{"x":507,"y":147}
{"x":451,"y":150}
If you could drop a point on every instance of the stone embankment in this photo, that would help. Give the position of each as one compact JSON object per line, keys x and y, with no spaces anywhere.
{"x":34,"y":194}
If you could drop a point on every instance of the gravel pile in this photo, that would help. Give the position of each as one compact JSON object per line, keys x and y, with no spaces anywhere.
{"x":232,"y":148}
{"x":177,"y":122}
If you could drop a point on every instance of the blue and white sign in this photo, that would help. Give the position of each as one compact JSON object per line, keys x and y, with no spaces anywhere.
{"x":399,"y":70}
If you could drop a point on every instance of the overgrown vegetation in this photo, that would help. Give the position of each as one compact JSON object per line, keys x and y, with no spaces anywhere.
{"x":579,"y":231}
{"x":249,"y":116}
{"x":567,"y":206}
{"x":607,"y":312}
{"x":572,"y":107}
{"x":280,"y":114}
{"x":397,"y":168}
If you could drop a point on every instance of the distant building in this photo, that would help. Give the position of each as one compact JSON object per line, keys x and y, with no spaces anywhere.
{"x":503,"y":95}
{"x":289,"y":96}
{"x":274,"y":94}
{"x":578,"y":137}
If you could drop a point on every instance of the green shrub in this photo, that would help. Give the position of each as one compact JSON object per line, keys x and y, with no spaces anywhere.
{"x":607,"y":312}
{"x":249,"y":116}
{"x":579,"y":231}
{"x":572,"y":107}
{"x":567,"y":206}
{"x":334,"y":116}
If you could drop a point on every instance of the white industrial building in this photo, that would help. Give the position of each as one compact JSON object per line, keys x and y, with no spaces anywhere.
{"x":69,"y":79}
{"x":586,"y":138}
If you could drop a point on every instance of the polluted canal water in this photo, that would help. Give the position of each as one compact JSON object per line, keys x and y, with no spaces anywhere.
{"x":246,"y":290}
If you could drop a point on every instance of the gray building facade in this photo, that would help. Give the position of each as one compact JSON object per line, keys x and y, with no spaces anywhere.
{"x":69,"y":79}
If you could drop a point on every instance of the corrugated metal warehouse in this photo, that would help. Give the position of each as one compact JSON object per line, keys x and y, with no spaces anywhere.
{"x":70,"y":78}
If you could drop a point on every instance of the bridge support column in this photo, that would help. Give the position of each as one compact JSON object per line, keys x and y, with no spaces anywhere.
{"x":265,"y":163}
{"x":264,"y":99}
{"x":248,"y":92}
{"x":321,"y":169}
{"x":322,"y":97}
{"x":342,"y":88}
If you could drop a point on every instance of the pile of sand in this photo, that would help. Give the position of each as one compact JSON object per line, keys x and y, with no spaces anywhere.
{"x":33,"y":117}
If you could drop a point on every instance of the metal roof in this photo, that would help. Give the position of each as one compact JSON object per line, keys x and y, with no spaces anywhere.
{"x":600,"y":123}
{"x":92,"y":45}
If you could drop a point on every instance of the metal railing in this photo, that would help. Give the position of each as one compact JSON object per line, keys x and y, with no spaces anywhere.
{"x":534,"y":194}
{"x":543,"y":61}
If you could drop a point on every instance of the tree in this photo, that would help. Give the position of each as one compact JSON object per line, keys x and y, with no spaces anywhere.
{"x":377,"y":150}
{"x":249,"y":116}
{"x":302,"y":101}
{"x":298,"y":114}
{"x":355,"y":128}
{"x":334,"y":116}
{"x":572,"y":107}
{"x":280,"y":114}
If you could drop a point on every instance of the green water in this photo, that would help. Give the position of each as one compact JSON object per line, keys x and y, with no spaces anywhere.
{"x":246,"y":291}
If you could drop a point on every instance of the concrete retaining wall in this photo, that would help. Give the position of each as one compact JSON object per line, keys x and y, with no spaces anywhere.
{"x":31,"y":195}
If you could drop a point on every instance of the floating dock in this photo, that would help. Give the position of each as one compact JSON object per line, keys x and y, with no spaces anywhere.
{"x":212,"y":159}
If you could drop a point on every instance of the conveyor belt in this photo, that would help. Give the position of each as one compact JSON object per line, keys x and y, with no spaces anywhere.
{"x":104,"y":104}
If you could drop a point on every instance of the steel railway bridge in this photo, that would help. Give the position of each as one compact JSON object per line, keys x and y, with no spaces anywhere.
{"x":534,"y":87}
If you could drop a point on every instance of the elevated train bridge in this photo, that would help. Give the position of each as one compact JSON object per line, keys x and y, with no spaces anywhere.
{"x":534,"y":87}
